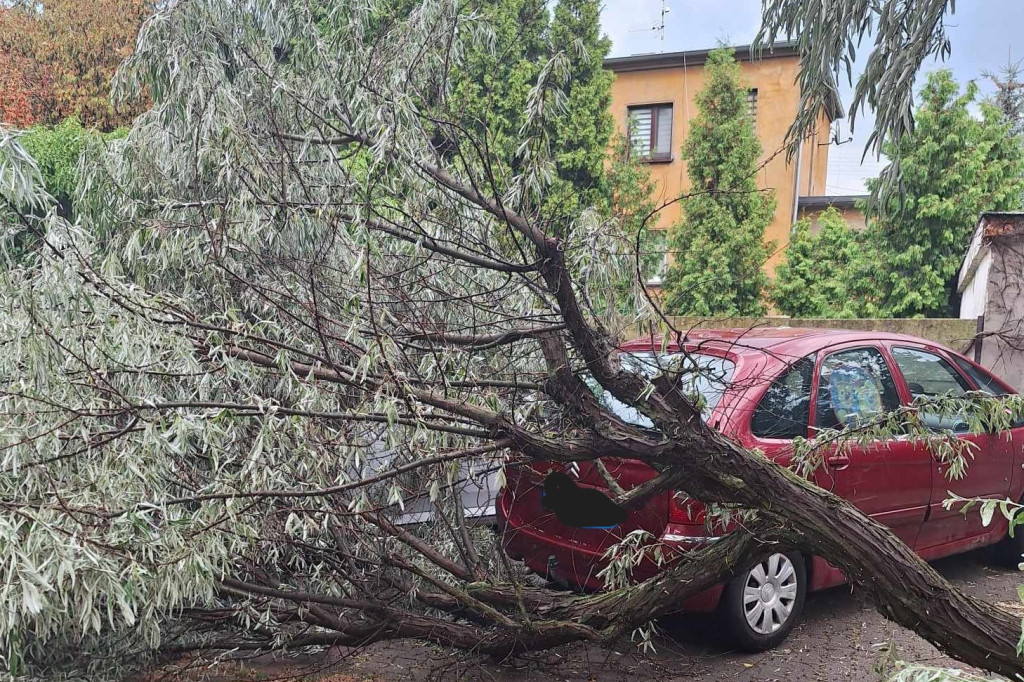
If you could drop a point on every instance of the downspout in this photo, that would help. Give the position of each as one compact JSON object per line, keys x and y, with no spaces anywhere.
{"x":796,"y":184}
{"x":810,"y":169}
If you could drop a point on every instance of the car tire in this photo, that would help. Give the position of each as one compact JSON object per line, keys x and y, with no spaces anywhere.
{"x":760,"y":605}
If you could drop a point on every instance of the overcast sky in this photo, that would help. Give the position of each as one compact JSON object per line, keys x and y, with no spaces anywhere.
{"x":984,"y":35}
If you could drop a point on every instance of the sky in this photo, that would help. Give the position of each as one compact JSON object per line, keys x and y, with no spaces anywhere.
{"x":985,"y":35}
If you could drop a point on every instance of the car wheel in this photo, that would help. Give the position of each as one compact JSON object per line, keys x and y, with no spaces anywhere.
{"x":761,"y":605}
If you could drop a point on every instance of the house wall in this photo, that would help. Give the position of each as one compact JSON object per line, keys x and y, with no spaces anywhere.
{"x":778,"y":100}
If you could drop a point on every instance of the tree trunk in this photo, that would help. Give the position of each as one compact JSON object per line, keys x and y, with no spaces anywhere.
{"x":902,"y":586}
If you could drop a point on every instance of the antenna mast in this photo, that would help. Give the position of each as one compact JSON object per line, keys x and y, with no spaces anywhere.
{"x":660,"y":28}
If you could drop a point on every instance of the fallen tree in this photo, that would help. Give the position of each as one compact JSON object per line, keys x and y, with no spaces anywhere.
{"x":286,"y":311}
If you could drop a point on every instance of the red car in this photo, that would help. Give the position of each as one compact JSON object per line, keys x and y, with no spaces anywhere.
{"x":763,"y":387}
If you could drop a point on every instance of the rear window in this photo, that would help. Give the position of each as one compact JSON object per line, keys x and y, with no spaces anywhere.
{"x":703,"y":378}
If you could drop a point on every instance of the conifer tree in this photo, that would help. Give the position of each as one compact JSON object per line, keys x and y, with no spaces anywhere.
{"x":952,"y":167}
{"x":1009,"y":96}
{"x":581,"y":137}
{"x":718,"y":247}
{"x":814,"y":280}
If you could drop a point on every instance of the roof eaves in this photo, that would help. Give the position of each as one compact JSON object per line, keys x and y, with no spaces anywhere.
{"x":669,"y":60}
{"x":1000,"y":223}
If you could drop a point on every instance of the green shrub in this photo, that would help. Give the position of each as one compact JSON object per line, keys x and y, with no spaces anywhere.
{"x":57,"y":149}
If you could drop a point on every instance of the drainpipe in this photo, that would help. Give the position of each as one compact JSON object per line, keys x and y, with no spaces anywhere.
{"x":810,"y":169}
{"x":796,"y":185}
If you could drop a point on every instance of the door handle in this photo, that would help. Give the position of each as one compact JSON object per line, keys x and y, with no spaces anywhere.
{"x":838,"y":462}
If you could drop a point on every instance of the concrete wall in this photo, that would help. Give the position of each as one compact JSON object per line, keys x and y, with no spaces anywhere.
{"x":777,"y":103}
{"x":950,"y":332}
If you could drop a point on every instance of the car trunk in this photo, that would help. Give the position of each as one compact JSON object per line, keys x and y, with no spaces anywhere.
{"x":526,"y":512}
{"x":701,"y":373}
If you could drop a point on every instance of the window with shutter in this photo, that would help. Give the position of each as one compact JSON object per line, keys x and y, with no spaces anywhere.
{"x":650,"y":132}
{"x":640,"y":120}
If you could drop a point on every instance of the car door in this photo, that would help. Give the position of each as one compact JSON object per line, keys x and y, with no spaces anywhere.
{"x":887,"y":480}
{"x":927,"y":372}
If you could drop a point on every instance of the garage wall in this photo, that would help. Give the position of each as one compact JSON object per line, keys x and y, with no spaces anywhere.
{"x":991,"y":285}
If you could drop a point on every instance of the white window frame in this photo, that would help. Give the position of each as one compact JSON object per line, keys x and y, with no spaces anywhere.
{"x":657,"y":132}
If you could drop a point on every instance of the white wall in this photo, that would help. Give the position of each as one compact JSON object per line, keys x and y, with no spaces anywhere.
{"x":972,"y":283}
{"x":974,"y":288}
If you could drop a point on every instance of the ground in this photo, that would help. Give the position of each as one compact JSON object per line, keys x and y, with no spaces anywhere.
{"x":838,"y":639}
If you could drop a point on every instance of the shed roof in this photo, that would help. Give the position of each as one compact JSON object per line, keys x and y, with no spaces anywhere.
{"x":991,"y":226}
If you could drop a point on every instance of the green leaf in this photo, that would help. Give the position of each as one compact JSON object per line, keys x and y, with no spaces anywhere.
{"x":987,"y":511}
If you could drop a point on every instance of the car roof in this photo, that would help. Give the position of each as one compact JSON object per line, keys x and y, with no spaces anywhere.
{"x":782,"y":341}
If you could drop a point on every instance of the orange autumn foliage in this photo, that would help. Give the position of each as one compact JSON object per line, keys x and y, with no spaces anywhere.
{"x":16,"y":92}
{"x":58,"y":58}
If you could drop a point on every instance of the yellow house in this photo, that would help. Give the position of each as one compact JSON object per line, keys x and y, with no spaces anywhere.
{"x":658,"y":92}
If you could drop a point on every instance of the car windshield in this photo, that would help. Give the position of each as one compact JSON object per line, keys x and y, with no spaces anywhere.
{"x":702,"y":378}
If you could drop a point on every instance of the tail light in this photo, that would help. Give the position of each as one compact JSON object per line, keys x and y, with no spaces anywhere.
{"x":683,"y":510}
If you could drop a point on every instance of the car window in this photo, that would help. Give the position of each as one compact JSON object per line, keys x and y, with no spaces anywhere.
{"x":703,"y":377}
{"x":928,"y":374}
{"x":931,"y":376}
{"x":986,"y":382}
{"x":853,"y":386}
{"x":785,"y":408}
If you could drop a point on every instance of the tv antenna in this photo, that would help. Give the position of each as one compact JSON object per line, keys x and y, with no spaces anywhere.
{"x":659,"y":27}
